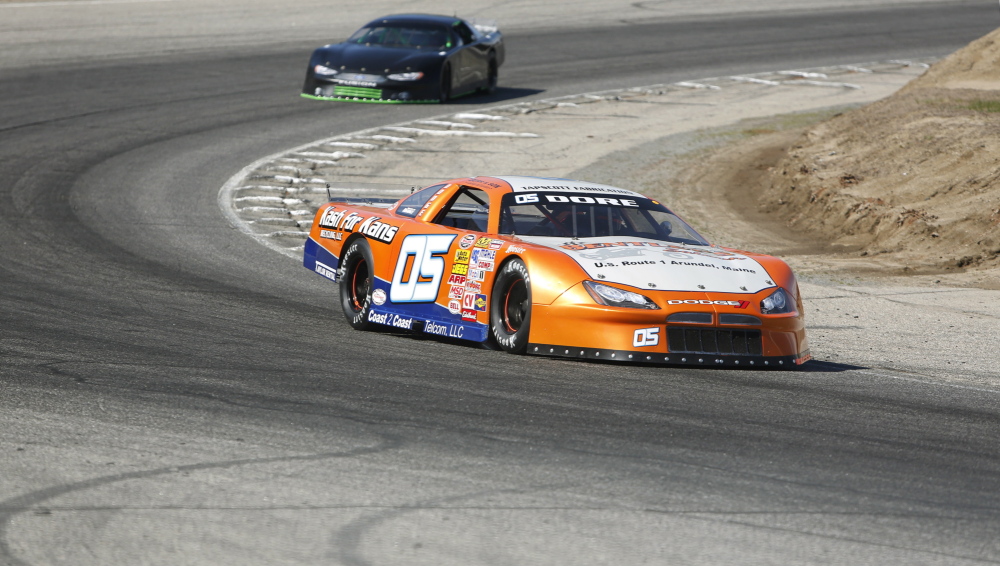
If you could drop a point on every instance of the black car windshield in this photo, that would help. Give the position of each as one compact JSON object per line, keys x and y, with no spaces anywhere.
{"x":568,"y":215}
{"x":405,"y":36}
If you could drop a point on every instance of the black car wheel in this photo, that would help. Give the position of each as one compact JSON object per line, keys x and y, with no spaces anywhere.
{"x":445,"y":84}
{"x":492,"y":77}
{"x":357,"y":273}
{"x":510,"y":307}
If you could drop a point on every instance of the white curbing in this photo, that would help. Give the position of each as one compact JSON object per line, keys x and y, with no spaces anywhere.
{"x":253,"y":220}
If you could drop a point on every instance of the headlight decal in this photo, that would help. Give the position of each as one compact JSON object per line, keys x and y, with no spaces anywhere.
{"x":778,"y":302}
{"x":324,"y":71}
{"x":414,"y":76}
{"x":615,"y":297}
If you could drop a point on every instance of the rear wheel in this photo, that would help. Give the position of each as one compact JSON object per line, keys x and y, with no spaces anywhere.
{"x":357,"y":274}
{"x":510,"y":307}
{"x":445,"y":94}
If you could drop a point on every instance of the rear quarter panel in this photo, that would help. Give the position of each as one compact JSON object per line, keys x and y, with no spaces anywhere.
{"x":429,"y":272}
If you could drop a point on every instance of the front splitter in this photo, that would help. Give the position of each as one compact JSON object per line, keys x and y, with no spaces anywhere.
{"x":681,"y":358}
{"x":369,"y":100}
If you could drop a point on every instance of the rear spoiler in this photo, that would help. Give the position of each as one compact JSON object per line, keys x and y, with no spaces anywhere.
{"x":366,"y":201}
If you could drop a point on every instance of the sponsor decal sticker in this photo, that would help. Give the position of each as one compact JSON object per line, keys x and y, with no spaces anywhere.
{"x":331,"y":218}
{"x":331,"y":235}
{"x":737,"y":304}
{"x":661,"y":247}
{"x":431,"y":201}
{"x":456,"y":292}
{"x":712,"y":266}
{"x":378,"y":297}
{"x":480,"y":303}
{"x":484,"y":242}
{"x":374,"y":228}
{"x":326,"y":271}
{"x":474,"y":286}
{"x":371,"y":226}
{"x":477,"y":275}
{"x":469,"y":314}
{"x":467,"y":241}
{"x":512,"y":249}
{"x":576,"y":189}
{"x":460,"y":269}
{"x":462,"y":256}
{"x":348,"y":82}
{"x":455,"y":306}
{"x":454,"y":279}
{"x":575,"y":199}
{"x":431,"y":327}
{"x":646,"y":337}
{"x":479,"y":254}
{"x":390,"y":319}
{"x":496,"y":245}
{"x":469,"y":301}
{"x":450,"y":330}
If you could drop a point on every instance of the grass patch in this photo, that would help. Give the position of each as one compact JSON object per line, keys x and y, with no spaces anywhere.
{"x":985,"y":105}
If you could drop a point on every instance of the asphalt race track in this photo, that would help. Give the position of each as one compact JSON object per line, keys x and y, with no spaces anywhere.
{"x":173,"y":393}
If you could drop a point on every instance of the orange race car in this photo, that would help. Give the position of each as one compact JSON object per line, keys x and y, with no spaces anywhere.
{"x":561,"y":268}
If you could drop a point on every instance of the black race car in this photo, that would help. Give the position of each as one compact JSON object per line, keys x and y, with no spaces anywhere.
{"x":407,"y":58}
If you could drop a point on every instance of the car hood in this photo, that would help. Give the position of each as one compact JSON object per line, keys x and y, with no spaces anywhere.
{"x":376,"y":59}
{"x":662,"y":266}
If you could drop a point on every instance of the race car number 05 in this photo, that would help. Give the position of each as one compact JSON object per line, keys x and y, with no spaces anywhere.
{"x":646,"y":337}
{"x":420,"y":282}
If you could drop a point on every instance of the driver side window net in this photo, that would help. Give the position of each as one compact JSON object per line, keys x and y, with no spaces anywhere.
{"x":468,"y":210}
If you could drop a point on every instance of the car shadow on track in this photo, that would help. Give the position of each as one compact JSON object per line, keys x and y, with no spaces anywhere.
{"x":502,"y":94}
{"x":812,"y":366}
{"x":816,"y":366}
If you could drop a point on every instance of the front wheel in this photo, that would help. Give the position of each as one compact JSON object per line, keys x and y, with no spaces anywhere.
{"x":357,"y":274}
{"x":492,"y":77}
{"x":445,"y":93}
{"x":510,"y":307}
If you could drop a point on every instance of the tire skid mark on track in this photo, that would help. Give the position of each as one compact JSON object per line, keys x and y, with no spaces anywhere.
{"x":32,"y":501}
{"x":345,"y":542}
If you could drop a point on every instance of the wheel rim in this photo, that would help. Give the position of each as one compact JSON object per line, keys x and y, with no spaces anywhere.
{"x":515,"y":306}
{"x":359,"y":284}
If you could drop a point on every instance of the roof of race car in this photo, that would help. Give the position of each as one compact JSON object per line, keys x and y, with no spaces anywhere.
{"x":526,"y":184}
{"x":414,"y":19}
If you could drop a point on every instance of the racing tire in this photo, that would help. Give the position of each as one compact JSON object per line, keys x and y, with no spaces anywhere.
{"x":510,"y":307}
{"x":357,"y":276}
{"x":445,"y":93}
{"x":492,"y":77}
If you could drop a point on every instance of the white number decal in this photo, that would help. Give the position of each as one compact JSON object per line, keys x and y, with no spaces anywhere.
{"x":524,"y":199}
{"x":646,"y":337}
{"x":423,"y":278}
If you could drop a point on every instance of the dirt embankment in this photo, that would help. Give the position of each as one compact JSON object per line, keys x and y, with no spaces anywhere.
{"x":913,"y":179}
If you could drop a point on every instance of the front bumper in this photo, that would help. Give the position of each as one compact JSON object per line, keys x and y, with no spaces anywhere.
{"x":386,"y":93}
{"x":731,"y":335}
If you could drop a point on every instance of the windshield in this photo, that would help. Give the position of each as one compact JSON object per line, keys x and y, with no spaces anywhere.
{"x":409,"y":36}
{"x":567,"y":215}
